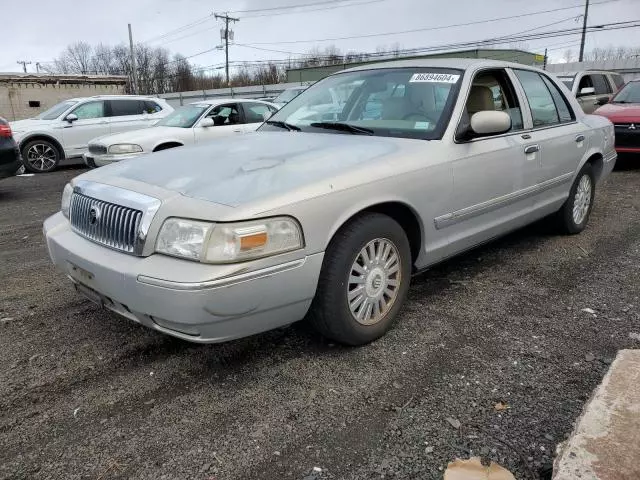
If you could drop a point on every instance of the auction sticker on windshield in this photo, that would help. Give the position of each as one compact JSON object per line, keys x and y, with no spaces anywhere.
{"x":434,"y":78}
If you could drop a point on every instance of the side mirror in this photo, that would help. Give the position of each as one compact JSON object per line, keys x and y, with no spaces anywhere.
{"x":586,"y":91}
{"x":266,"y":115}
{"x":207,"y":122}
{"x":603,"y":101}
{"x":490,"y":122}
{"x":72,"y":117}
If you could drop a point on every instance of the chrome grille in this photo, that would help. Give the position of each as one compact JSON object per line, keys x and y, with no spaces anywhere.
{"x":106,"y":223}
{"x":97,"y":149}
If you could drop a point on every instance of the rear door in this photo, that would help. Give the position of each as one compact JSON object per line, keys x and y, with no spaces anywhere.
{"x":254,"y":114}
{"x":92,"y":122}
{"x":227,"y":120}
{"x":127,"y":114}
{"x":561,"y":140}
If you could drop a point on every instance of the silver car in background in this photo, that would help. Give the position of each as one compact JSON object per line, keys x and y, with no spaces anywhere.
{"x":329,"y":220}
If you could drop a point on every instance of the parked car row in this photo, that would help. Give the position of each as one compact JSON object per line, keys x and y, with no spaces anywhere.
{"x":328,"y":218}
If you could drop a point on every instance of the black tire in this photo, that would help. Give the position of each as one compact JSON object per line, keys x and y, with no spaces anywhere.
{"x":565,"y":216}
{"x":35,"y":164}
{"x":330,"y":313}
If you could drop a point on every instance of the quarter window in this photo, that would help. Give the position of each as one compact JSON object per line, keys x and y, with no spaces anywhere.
{"x":565,"y":113}
{"x":123,"y":108}
{"x":151,"y":107}
{"x":541,"y":103}
{"x":90,"y":110}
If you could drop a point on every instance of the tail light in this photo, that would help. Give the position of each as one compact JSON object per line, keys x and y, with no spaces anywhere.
{"x":5,"y":131}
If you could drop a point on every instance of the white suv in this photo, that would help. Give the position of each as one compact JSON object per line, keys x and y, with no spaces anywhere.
{"x":64,"y":131}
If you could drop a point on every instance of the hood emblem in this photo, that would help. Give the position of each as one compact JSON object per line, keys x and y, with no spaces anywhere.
{"x":94,"y":214}
{"x":632,"y":126}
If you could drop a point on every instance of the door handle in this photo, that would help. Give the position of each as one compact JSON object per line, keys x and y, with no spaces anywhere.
{"x":532,"y":149}
{"x":579,"y":138}
{"x":526,"y":136}
{"x":238,"y":131}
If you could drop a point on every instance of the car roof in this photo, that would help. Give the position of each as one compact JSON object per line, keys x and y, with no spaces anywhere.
{"x":116,"y":97}
{"x":218,"y":101}
{"x":576,"y":72}
{"x":454,"y":63}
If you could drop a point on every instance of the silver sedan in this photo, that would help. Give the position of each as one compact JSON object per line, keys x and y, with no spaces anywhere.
{"x":326,"y":213}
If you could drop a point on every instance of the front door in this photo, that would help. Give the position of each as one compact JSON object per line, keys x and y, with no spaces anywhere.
{"x":494,"y":175}
{"x":91,"y":123}
{"x":227,"y":120}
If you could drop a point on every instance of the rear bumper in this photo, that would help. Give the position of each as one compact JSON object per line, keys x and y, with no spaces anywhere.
{"x":10,"y":161}
{"x":220,"y":308}
{"x":628,"y":149}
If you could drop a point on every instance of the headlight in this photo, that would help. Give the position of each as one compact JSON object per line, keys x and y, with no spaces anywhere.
{"x":66,"y":199}
{"x":228,"y":242}
{"x":121,"y":148}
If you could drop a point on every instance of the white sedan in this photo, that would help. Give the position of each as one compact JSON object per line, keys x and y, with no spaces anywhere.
{"x":194,"y":123}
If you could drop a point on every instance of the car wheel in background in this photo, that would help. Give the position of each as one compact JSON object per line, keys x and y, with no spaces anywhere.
{"x":39,"y":156}
{"x":574,"y":214}
{"x":364,"y":280}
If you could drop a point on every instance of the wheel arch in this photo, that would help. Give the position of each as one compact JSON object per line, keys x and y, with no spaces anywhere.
{"x":45,"y":137}
{"x":596,"y":160}
{"x":165,"y":145}
{"x":399,"y":210}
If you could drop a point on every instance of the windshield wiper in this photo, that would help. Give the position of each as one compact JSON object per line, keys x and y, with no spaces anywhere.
{"x":343,"y":127}
{"x":288,"y":126}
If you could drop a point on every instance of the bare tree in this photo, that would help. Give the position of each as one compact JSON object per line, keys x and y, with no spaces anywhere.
{"x":568,"y":55}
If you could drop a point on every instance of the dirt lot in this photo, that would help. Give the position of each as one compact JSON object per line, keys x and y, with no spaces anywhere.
{"x":85,"y":394}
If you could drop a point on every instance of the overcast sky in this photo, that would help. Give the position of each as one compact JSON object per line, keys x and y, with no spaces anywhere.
{"x":39,"y":30}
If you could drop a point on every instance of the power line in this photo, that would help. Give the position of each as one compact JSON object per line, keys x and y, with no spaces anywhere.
{"x":426,"y":29}
{"x":287,"y":7}
{"x":311,"y":10}
{"x":179,"y":29}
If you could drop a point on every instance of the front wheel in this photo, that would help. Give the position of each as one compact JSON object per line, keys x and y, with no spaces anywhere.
{"x":364,"y":280}
{"x":574,"y":214}
{"x":40,"y":156}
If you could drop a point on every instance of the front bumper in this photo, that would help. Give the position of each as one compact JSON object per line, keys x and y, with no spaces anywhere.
{"x":97,"y":160}
{"x":223,"y":307}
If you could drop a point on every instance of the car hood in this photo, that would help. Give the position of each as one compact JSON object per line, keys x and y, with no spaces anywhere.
{"x":29,"y":124}
{"x":234,"y":171}
{"x":139,"y":137}
{"x":620,"y":112}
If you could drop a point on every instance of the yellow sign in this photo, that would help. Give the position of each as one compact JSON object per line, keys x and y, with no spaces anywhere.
{"x":539,"y":58}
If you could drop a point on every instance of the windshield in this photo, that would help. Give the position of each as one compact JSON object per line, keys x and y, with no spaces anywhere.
{"x":288,"y":95}
{"x":183,"y":117}
{"x":55,"y":111}
{"x":630,"y":93}
{"x":568,"y":81}
{"x":390,"y":102}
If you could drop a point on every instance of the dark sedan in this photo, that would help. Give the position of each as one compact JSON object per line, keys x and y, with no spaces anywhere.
{"x":10,"y":161}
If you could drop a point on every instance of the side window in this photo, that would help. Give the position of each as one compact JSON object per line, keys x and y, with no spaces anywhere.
{"x":585,"y":82}
{"x":90,"y":110}
{"x":601,"y":84}
{"x":492,"y":90}
{"x":151,"y":107}
{"x":254,"y":112}
{"x":123,"y":108}
{"x":225,"y":115}
{"x":618,"y":80}
{"x":543,"y":108}
{"x":564,"y":109}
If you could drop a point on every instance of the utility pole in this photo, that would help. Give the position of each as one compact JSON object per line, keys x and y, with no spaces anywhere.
{"x":225,"y":36}
{"x":24,"y":65}
{"x":134,"y":73}
{"x":544,"y":66}
{"x":584,"y":30}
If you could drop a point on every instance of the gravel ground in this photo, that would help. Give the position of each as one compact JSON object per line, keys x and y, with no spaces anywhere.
{"x":85,"y":394}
